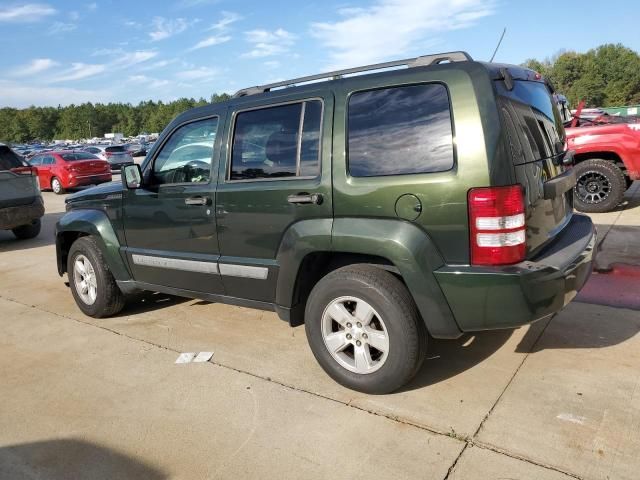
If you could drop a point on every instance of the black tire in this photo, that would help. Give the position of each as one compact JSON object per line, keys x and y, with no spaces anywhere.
{"x":58,"y":190}
{"x":628,"y":182}
{"x":608,"y":183}
{"x":407,"y":336}
{"x":109,"y":299}
{"x":25,"y":232}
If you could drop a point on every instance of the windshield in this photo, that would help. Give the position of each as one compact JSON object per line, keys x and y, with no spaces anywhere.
{"x":532,"y":121}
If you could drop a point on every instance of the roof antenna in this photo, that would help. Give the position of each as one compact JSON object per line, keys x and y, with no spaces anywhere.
{"x":498,"y":46}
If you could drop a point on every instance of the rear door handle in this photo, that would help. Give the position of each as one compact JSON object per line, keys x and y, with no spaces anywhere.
{"x":197,"y":201}
{"x":306,"y":198}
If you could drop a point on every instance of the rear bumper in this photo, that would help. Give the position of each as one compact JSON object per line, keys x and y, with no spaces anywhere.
{"x":12,"y":217}
{"x":80,"y":180}
{"x":511,"y":296}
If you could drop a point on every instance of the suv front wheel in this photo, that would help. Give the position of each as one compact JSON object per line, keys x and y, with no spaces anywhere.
{"x":92,"y":284}
{"x":364,"y":329}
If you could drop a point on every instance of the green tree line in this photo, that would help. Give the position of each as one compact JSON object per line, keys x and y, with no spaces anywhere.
{"x":606,"y":76}
{"x":92,"y":120}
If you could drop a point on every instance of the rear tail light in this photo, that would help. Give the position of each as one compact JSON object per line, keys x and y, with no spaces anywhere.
{"x":497,"y":225}
{"x":26,"y":170}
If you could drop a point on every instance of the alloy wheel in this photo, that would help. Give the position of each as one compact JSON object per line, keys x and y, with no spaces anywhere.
{"x":84,"y":278}
{"x":593,"y":187}
{"x":355,"y":335}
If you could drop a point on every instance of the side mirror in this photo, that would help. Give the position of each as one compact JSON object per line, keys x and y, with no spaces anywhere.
{"x":132,"y":176}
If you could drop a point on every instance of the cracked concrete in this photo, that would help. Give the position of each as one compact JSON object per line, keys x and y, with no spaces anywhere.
{"x":555,"y":400}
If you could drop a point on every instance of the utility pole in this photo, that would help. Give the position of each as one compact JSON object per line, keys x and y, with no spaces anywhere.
{"x":89,"y":124}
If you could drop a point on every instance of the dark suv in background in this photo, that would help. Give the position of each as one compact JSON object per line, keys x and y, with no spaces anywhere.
{"x":21,"y":205}
{"x":375,"y":208}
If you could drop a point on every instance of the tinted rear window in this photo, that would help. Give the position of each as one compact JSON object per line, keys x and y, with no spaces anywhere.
{"x":116,"y":149}
{"x":400,"y":130}
{"x":9,"y":159}
{"x":70,"y":157}
{"x":532,"y":121}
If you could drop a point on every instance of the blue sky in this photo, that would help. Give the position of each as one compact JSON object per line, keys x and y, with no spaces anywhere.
{"x":57,"y":52}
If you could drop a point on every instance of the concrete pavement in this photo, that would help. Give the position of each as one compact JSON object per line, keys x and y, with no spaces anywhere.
{"x":103,"y":399}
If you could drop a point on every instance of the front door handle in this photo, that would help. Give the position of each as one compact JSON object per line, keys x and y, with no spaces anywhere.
{"x":197,"y":201}
{"x":306,"y":198}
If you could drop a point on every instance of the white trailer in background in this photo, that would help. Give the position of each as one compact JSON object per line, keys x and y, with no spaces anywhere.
{"x":114,"y":137}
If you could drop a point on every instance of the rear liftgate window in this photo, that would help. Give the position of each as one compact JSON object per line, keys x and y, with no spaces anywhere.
{"x":8,"y":159}
{"x":400,"y":131}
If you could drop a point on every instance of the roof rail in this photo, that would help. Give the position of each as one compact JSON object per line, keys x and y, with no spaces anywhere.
{"x":422,"y":61}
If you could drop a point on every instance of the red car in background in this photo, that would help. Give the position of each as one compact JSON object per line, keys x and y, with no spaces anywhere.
{"x":60,"y":170}
{"x":607,"y":161}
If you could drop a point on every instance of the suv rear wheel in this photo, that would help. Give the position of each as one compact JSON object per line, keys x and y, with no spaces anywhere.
{"x":600,"y":186}
{"x":364,"y":329}
{"x":92,"y":284}
{"x":25,"y":232}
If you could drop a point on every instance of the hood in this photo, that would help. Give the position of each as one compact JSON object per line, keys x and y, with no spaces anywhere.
{"x":101,"y":191}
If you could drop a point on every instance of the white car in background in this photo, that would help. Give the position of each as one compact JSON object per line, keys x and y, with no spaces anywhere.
{"x":116,"y":155}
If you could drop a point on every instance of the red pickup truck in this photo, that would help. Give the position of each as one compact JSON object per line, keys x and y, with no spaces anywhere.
{"x":607,"y":161}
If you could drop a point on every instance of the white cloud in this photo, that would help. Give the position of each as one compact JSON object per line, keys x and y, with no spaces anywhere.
{"x":78,"y":71}
{"x":107,"y":52}
{"x":227,"y":19}
{"x":36,"y":65}
{"x":211,"y":41}
{"x":202,"y":73}
{"x":392,"y":28}
{"x":195,"y":3}
{"x":61,"y":27}
{"x":19,"y":95}
{"x":132,"y":24}
{"x":127,"y":59}
{"x":165,"y":28}
{"x":267,"y":43}
{"x":148,"y":81}
{"x":158,"y":64}
{"x":91,"y":6}
{"x":25,"y":13}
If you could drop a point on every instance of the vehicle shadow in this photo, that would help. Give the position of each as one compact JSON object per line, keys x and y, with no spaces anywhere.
{"x":448,"y":358}
{"x":71,"y":458}
{"x":602,"y":329}
{"x":8,"y":241}
{"x":148,"y":302}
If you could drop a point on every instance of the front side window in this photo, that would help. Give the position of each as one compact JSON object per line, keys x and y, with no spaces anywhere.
{"x":186,"y":157}
{"x":277,"y":142}
{"x":399,"y":131}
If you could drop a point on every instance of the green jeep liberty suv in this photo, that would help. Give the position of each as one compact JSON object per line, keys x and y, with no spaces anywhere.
{"x":376,"y":205}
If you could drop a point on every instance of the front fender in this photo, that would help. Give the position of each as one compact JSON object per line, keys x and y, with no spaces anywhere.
{"x":97,"y":224}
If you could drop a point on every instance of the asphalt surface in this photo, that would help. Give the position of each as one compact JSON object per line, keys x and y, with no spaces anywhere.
{"x":86,"y":398}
